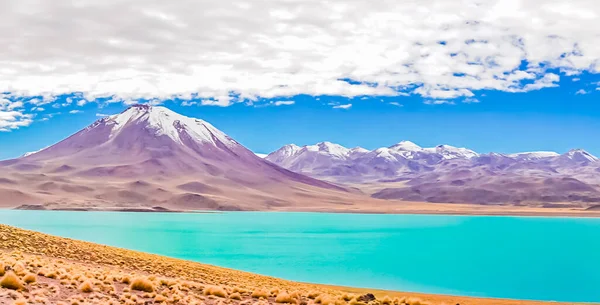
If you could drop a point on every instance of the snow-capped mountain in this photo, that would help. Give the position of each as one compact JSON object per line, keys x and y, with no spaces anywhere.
{"x":450,"y":174}
{"x":152,"y":155}
{"x":325,"y":158}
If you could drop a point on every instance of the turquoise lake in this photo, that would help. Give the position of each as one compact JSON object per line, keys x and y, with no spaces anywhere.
{"x":507,"y":257}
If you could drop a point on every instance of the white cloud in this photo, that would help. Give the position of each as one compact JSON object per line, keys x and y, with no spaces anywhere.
{"x":581,"y":92}
{"x":470,"y":100}
{"x":125,"y":50}
{"x":345,"y":106}
{"x":439,"y":102}
{"x":101,"y":115}
{"x":12,"y":119}
{"x":75,"y":111}
{"x":281,"y":103}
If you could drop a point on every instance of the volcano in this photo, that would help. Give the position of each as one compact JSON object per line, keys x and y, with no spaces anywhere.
{"x":150,"y":157}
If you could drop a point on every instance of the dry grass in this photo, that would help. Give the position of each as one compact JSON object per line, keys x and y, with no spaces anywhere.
{"x":260,"y":293}
{"x":283,"y":297}
{"x":11,"y":281}
{"x":86,"y":287}
{"x":142,"y":284}
{"x":73,"y":272}
{"x":216,"y":291}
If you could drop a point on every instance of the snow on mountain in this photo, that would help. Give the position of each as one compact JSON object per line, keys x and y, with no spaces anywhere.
{"x":262,"y":156}
{"x":534,"y":155}
{"x":406,"y":146}
{"x":149,"y":155}
{"x":451,"y":152}
{"x":578,"y":156}
{"x":27,"y":154}
{"x":166,"y":122}
{"x":407,"y":158}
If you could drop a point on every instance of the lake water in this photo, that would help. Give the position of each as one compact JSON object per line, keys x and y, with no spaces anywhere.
{"x":507,"y":257}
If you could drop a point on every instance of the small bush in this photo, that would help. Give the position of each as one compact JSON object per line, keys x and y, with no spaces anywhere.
{"x":126,"y":280}
{"x":142,"y":284}
{"x":29,"y":278}
{"x":11,"y":281}
{"x":260,"y":293}
{"x":18,"y":268}
{"x":86,"y":287}
{"x":235,"y":296}
{"x":160,"y":298}
{"x":283,"y":297}
{"x":313,"y":295}
{"x":1,"y":269}
{"x":216,"y":291}
{"x":354,"y":301}
{"x":415,"y":301}
{"x":386,"y":300}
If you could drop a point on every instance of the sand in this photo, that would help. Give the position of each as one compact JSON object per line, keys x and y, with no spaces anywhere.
{"x":77,"y":272}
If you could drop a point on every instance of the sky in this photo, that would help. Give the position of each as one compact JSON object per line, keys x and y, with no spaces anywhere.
{"x":502,"y":76}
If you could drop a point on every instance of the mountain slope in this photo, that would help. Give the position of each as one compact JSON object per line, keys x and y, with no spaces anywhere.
{"x":456,"y":175}
{"x":141,"y":158}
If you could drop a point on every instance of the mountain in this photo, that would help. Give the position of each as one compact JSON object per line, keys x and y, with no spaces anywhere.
{"x":453,"y":175}
{"x":151,"y":157}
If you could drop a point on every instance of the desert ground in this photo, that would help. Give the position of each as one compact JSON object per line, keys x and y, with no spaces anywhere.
{"x":61,"y":191}
{"x":44,"y":269}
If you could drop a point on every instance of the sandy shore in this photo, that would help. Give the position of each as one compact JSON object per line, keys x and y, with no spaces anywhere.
{"x":55,"y":270}
{"x":389,"y":207}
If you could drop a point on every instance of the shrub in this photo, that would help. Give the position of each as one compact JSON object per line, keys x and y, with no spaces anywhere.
{"x":260,"y":293}
{"x":354,"y":301}
{"x":30,"y":278}
{"x":142,"y":284}
{"x":11,"y":281}
{"x":1,"y":269}
{"x":386,"y":300}
{"x":160,"y":298}
{"x":283,"y":297}
{"x":86,"y":287}
{"x":18,"y":268}
{"x":125,"y":280}
{"x":313,"y":295}
{"x":235,"y":296}
{"x":216,"y":291}
{"x":415,"y":301}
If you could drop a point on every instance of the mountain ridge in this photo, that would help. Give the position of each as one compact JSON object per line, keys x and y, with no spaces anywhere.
{"x":451,"y":174}
{"x":150,"y":156}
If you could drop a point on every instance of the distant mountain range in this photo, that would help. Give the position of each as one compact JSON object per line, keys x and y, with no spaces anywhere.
{"x":449,"y":174}
{"x":153,"y":158}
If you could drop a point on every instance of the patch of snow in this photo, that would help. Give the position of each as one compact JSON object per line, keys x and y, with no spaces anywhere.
{"x":406,"y":146}
{"x":27,"y":154}
{"x":534,"y":155}
{"x":166,"y":122}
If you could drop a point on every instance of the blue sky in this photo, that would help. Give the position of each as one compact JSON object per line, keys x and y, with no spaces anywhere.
{"x":556,"y":119}
{"x":497,"y":75}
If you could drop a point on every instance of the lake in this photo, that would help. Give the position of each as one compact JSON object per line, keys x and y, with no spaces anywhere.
{"x":488,"y":256}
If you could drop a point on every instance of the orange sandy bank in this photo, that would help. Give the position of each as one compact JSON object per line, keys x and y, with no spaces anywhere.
{"x":44,"y":269}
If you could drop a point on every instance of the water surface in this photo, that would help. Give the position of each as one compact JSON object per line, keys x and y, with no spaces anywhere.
{"x":488,"y":256}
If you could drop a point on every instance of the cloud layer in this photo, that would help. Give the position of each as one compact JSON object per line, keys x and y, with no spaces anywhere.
{"x":226,"y":51}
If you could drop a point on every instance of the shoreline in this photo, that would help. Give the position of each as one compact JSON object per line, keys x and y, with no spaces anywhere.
{"x":84,"y":255}
{"x":475,"y":210}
